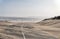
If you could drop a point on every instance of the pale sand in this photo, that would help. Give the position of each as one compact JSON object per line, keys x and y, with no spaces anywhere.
{"x":51,"y":26}
{"x":12,"y":30}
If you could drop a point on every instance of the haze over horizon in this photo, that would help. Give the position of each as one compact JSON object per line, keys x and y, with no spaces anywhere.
{"x":27,"y":8}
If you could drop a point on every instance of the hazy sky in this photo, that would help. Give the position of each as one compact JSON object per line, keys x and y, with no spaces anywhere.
{"x":24,"y":8}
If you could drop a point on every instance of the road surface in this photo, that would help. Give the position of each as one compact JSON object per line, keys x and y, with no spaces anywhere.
{"x":23,"y":31}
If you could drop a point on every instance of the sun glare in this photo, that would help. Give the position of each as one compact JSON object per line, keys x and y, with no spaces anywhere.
{"x":57,"y":2}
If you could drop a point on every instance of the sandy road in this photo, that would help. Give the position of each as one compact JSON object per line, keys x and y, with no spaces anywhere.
{"x":29,"y":34}
{"x":23,"y":31}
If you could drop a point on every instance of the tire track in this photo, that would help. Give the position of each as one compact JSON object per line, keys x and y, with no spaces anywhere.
{"x":23,"y":31}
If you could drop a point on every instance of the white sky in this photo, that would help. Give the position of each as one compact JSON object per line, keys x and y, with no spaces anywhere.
{"x":25,"y":8}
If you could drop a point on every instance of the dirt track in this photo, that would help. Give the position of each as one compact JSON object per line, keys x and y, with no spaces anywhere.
{"x":30,"y":30}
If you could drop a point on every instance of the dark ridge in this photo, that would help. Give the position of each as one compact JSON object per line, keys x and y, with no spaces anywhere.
{"x":53,"y":18}
{"x":56,"y":17}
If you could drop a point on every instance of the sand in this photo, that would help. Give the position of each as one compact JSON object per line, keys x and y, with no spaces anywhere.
{"x":13,"y":30}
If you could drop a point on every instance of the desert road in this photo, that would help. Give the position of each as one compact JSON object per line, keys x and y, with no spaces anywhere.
{"x":23,"y":31}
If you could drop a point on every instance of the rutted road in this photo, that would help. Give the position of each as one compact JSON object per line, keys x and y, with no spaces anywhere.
{"x":23,"y":31}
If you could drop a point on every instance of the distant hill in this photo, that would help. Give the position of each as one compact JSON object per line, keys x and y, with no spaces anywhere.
{"x":53,"y":18}
{"x":50,"y":21}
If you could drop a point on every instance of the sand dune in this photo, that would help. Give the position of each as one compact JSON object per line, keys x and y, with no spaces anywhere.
{"x":51,"y":26}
